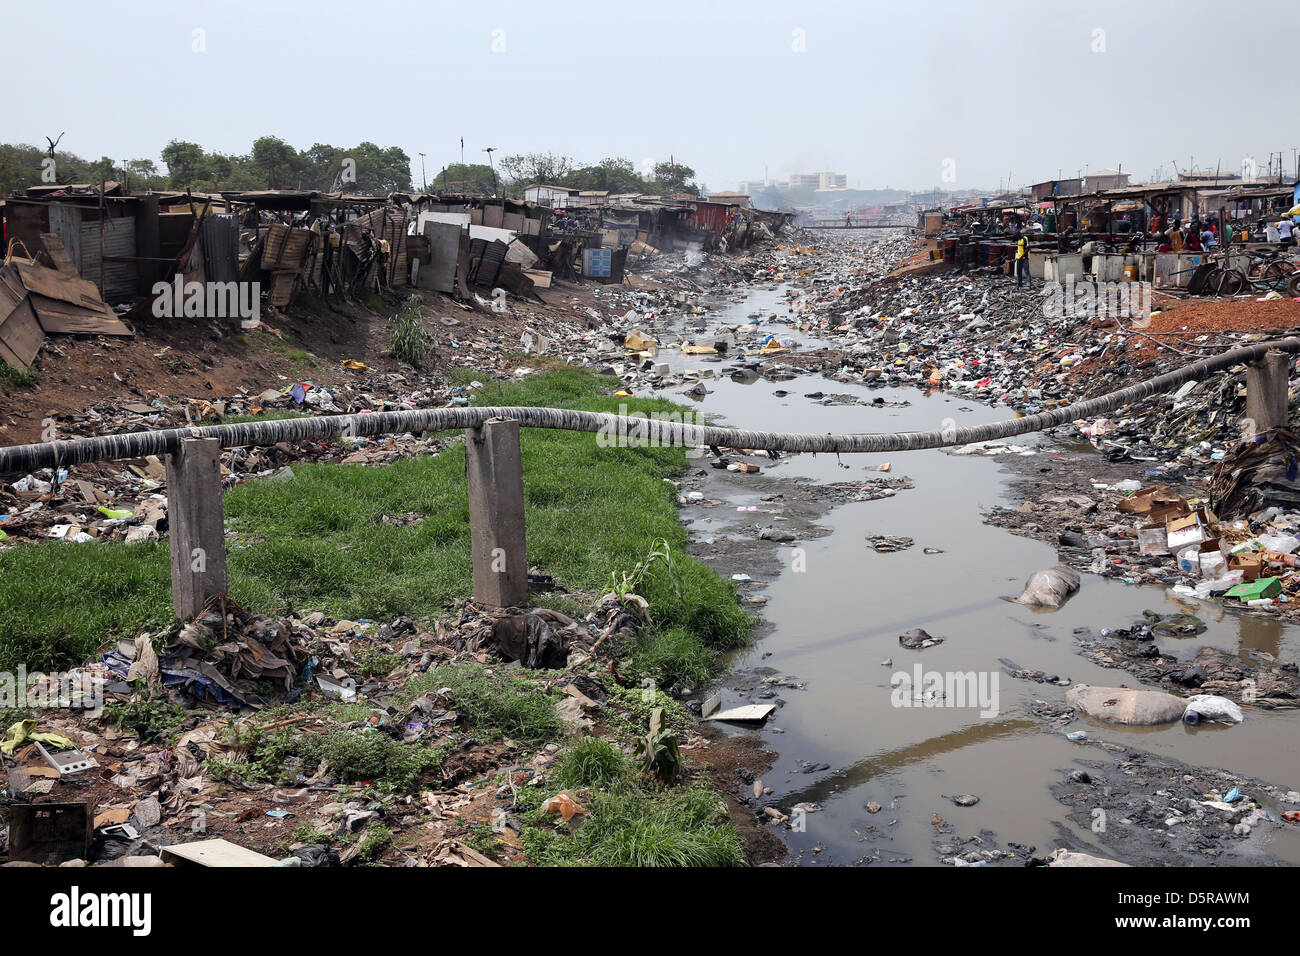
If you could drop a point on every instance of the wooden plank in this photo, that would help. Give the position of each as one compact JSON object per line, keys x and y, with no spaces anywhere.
{"x":56,"y":285}
{"x":748,"y":714}
{"x":58,"y":317}
{"x":20,"y":332}
{"x":214,"y":853}
{"x":20,"y":335}
{"x":62,"y":261}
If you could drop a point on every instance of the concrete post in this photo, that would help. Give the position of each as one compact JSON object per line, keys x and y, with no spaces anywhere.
{"x":1267,"y":401}
{"x":495,"y":470}
{"x":195,"y":525}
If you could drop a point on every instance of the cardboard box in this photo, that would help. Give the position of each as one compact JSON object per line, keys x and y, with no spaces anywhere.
{"x":1256,"y":590}
{"x":1248,"y":564}
{"x":1141,"y":502}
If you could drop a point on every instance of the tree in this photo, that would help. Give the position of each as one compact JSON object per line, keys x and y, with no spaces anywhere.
{"x":20,"y":167}
{"x":274,"y":161}
{"x":530,"y":168}
{"x":675,"y":178}
{"x":184,"y":163}
{"x":142,"y":168}
{"x":380,"y":171}
{"x":103,"y":169}
{"x":472,"y":178}
{"x":613,"y":173}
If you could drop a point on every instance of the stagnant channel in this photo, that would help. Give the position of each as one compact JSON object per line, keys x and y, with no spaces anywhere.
{"x":834,"y":609}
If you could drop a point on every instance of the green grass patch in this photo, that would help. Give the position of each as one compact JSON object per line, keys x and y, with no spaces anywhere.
{"x":589,"y":762}
{"x":11,"y":377}
{"x":631,"y":827}
{"x":496,"y":702}
{"x":354,"y":755}
{"x":318,"y":542}
{"x":62,"y":601}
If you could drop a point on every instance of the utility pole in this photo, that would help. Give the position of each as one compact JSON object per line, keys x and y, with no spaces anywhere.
{"x":495,"y":187}
{"x":424,"y":180}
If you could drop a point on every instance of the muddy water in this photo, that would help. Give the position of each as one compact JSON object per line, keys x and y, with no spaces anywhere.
{"x":843,"y":740}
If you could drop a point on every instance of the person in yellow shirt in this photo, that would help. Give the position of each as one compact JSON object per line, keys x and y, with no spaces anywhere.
{"x":1022,"y":261}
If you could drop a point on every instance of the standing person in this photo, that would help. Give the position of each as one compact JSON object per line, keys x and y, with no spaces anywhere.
{"x":848,"y":220}
{"x":1175,"y":235}
{"x":1022,"y":261}
{"x":1286,"y":231}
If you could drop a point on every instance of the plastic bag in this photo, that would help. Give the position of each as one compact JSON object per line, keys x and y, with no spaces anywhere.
{"x":1281,"y":543}
{"x":1208,"y":707}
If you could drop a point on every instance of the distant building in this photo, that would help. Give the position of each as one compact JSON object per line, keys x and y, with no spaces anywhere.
{"x":1041,"y":192}
{"x":1203,"y":176}
{"x":805,"y":180}
{"x":545,"y":195}
{"x":832,"y":180}
{"x":730,"y":199}
{"x":1095,"y":181}
{"x":1100,"y":179}
{"x":748,"y":187}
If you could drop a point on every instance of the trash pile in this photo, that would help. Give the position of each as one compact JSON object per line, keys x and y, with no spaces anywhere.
{"x":541,"y":638}
{"x":226,"y":657}
{"x":1169,"y":810}
{"x":982,"y":338}
{"x":183,"y":761}
{"x":1249,"y":560}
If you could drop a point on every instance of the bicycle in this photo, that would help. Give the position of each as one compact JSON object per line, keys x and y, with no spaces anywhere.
{"x":1268,"y":270}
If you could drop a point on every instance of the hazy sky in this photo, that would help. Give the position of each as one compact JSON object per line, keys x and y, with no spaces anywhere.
{"x":885,"y":92}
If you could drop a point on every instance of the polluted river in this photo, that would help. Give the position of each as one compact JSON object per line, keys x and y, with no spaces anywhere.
{"x":870,"y":769}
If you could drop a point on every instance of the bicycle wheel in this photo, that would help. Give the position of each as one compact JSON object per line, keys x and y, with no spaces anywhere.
{"x":1277,"y":274}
